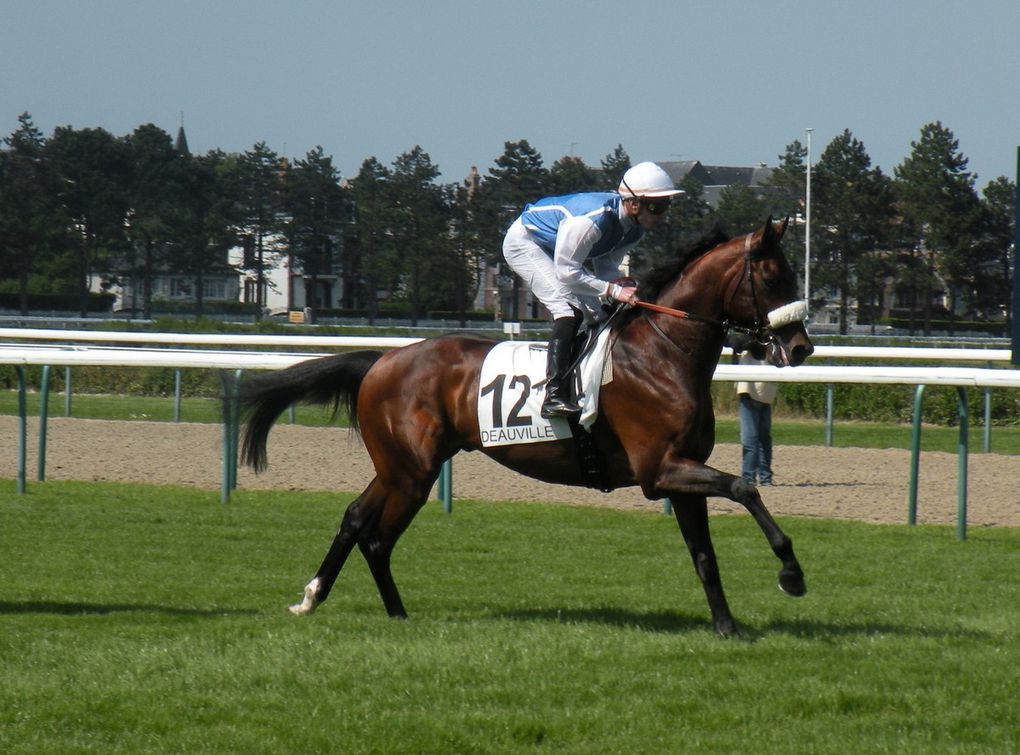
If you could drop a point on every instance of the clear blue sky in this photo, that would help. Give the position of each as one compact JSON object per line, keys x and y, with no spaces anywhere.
{"x":724,"y":82}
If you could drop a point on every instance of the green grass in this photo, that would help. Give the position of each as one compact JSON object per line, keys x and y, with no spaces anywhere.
{"x":145,"y":619}
{"x":149,"y":408}
{"x":786,"y":431}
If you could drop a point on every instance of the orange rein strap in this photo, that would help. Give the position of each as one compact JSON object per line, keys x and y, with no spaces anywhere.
{"x":664,"y":310}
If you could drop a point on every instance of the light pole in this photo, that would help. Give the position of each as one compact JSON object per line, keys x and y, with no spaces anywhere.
{"x":807,"y":224}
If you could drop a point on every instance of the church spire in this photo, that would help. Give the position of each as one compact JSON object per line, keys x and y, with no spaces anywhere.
{"x":181,"y":145}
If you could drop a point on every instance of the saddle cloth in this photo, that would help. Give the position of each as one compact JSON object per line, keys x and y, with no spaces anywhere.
{"x":512,"y":388}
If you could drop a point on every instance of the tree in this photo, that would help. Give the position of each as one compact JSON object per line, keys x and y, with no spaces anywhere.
{"x":787,"y":193}
{"x":317,"y":208}
{"x":940,"y":210}
{"x":517,"y":178}
{"x":570,"y":175}
{"x":467,"y":236}
{"x":852,"y":202}
{"x":26,"y":208}
{"x":614,"y":165}
{"x":420,"y":230}
{"x":92,"y":169}
{"x":153,"y":190}
{"x":205,"y":219}
{"x":369,"y":233}
{"x":741,"y":209}
{"x":994,"y":280}
{"x":257,"y":188}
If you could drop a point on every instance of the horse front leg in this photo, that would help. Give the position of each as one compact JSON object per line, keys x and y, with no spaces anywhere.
{"x":685,"y":476}
{"x":691,"y":513}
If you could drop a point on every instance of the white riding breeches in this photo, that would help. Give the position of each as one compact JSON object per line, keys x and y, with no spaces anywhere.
{"x":536,"y":269}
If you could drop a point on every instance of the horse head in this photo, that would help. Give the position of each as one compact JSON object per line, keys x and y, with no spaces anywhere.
{"x":747,"y":286}
{"x":760,"y":296}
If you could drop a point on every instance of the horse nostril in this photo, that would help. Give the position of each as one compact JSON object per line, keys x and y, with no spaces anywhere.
{"x":800,"y":353}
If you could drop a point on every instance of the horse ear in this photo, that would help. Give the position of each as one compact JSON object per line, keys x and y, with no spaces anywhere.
{"x":773,"y":231}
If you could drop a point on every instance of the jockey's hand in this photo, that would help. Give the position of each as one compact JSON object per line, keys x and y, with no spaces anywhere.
{"x":626,"y":294}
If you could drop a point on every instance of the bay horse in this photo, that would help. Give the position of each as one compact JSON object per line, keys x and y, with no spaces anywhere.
{"x":416,"y":406}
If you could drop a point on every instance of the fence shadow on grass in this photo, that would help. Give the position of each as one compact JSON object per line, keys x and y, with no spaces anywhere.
{"x":102,"y":609}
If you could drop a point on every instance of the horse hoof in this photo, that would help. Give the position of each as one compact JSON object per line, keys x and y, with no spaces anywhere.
{"x":728,"y":631}
{"x":309,"y":601}
{"x":792,"y":584}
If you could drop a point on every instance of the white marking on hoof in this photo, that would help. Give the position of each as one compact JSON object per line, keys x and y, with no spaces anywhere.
{"x":308,"y":605}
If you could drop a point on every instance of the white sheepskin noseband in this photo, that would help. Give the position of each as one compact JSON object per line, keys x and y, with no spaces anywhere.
{"x":795,"y":311}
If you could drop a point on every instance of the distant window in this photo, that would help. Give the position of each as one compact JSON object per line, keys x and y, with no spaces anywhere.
{"x":214,"y":288}
{"x":180,"y":288}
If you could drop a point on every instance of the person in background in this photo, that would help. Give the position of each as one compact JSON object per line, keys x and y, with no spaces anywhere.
{"x":755,"y":410}
{"x":549,"y":244}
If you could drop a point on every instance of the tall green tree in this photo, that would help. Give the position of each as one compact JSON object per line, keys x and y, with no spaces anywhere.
{"x":995,"y":278}
{"x":153,"y":191}
{"x":517,"y":177}
{"x":421,"y":233}
{"x":205,"y":223}
{"x":93,"y":170}
{"x":741,"y":209}
{"x":614,"y":165}
{"x":257,"y":184}
{"x":372,"y":247}
{"x":26,"y":207}
{"x":570,"y":175}
{"x":317,"y":209}
{"x":851,"y":202}
{"x":941,"y":211}
{"x":468,"y":239}
{"x":787,"y":194}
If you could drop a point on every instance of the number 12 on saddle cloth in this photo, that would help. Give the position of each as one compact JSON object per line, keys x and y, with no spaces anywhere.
{"x":512,"y":388}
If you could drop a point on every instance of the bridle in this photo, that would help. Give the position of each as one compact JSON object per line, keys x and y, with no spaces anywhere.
{"x":762,"y":329}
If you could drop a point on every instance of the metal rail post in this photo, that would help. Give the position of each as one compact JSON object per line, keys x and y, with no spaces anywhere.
{"x":22,"y":429}
{"x":44,"y":415}
{"x":177,"y":395}
{"x":446,"y":485}
{"x":828,"y":415}
{"x":961,"y":462}
{"x":915,"y":457}
{"x":231,"y":421}
{"x":961,"y":467}
{"x":67,"y":391}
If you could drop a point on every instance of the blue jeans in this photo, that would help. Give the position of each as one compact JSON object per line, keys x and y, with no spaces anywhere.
{"x":756,"y":440}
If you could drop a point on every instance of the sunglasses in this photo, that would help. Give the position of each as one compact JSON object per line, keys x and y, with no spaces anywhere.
{"x":655,"y":208}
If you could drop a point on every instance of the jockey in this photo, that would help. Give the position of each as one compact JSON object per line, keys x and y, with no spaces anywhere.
{"x":548,"y":245}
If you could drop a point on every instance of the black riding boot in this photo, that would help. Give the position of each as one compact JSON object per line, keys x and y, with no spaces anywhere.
{"x":558,"y":401}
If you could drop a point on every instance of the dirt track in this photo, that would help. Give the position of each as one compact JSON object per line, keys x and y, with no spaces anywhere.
{"x":861,"y":484}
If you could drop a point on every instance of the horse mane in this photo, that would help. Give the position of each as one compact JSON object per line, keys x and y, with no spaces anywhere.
{"x":656,"y":279}
{"x":652,"y":283}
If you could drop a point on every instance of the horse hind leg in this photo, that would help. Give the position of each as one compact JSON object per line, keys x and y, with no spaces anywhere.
{"x":356,"y":517}
{"x":377,"y":542}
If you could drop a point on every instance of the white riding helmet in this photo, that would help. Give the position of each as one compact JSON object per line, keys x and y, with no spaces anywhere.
{"x":647,"y":180}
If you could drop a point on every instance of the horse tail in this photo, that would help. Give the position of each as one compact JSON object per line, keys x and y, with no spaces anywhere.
{"x":328,"y":380}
